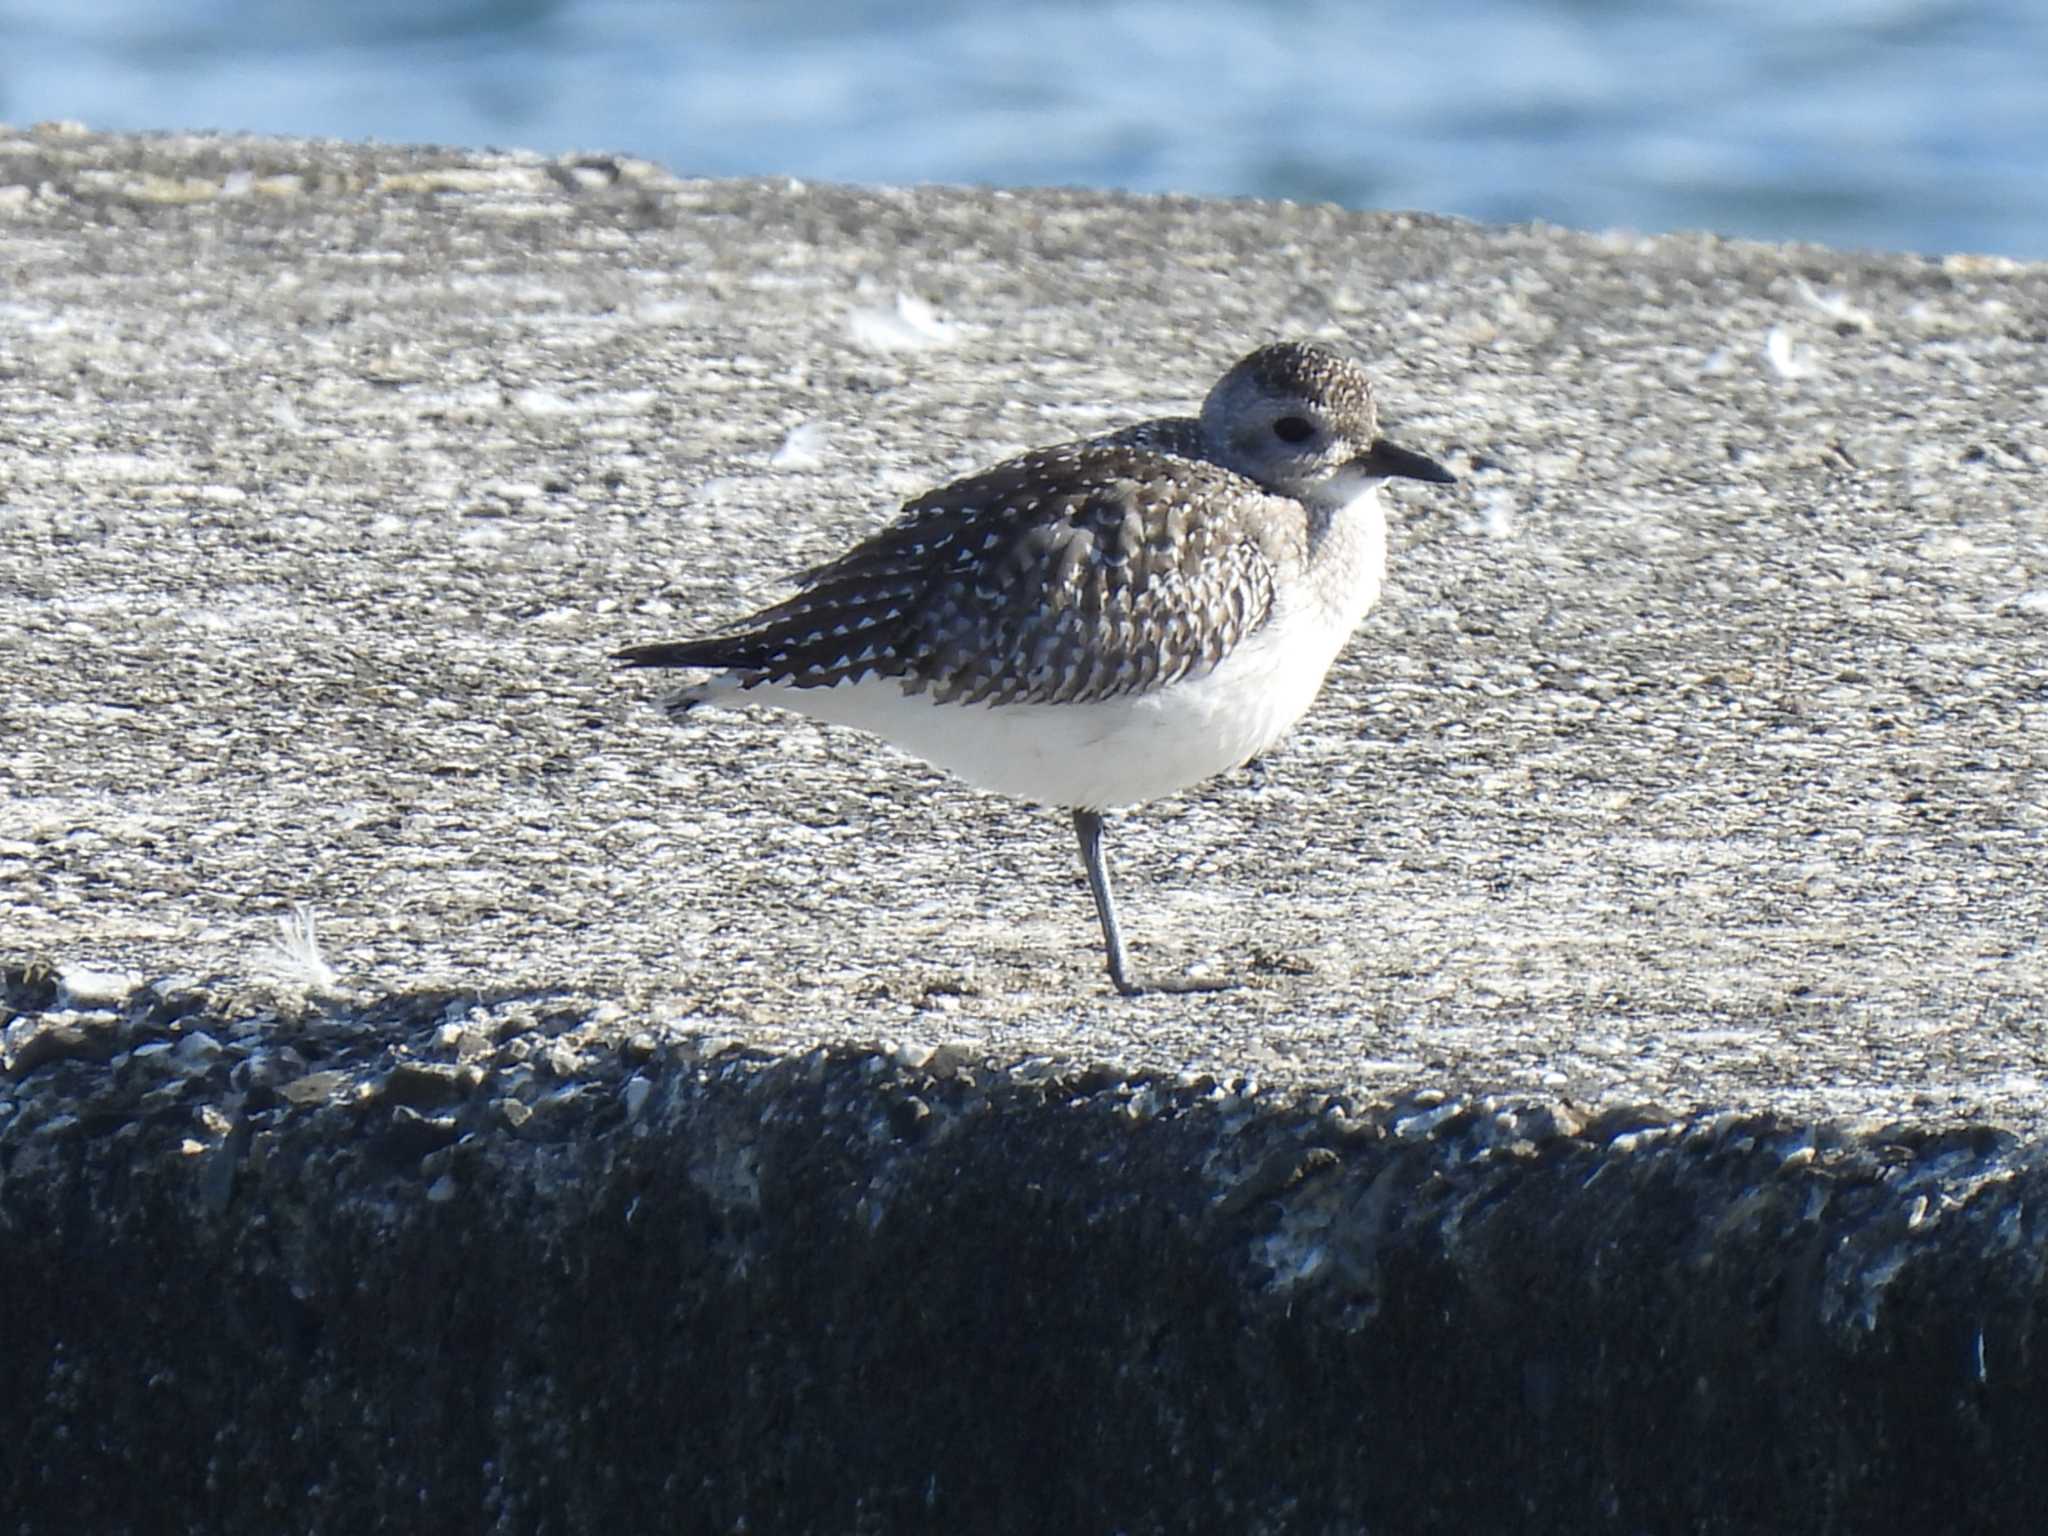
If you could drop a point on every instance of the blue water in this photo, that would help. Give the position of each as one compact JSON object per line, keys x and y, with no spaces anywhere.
{"x":1901,"y":124}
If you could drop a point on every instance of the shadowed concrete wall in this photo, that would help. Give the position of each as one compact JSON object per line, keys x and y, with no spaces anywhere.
{"x":851,"y":1290}
{"x":1629,"y":1114}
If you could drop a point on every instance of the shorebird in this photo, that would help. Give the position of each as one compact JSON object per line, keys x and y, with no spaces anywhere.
{"x":1098,"y":624}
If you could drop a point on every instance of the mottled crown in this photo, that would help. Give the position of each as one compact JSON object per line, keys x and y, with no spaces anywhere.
{"x":1298,"y":370}
{"x":1295,"y":419}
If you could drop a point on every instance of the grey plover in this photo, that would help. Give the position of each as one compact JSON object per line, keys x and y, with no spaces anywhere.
{"x":1098,"y":624}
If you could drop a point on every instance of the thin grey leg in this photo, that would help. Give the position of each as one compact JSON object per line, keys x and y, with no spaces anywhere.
{"x":1088,"y":828}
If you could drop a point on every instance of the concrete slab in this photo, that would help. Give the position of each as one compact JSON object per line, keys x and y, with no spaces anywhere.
{"x":1669,"y":842}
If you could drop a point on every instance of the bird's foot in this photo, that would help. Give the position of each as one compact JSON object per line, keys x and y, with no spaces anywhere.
{"x":1127,"y":987}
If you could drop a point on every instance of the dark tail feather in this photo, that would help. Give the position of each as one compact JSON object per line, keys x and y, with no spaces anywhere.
{"x":716,"y":654}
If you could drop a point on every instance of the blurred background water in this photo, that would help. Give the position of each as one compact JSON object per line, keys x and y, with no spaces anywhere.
{"x":1915,"y":125}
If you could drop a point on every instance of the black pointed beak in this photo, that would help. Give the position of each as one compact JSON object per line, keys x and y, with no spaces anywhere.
{"x":1391,"y":463}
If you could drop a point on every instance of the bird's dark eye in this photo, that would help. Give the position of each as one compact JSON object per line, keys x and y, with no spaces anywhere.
{"x":1294,"y":429}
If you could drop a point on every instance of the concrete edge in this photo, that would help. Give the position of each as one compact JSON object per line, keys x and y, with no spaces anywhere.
{"x":369,"y":1270}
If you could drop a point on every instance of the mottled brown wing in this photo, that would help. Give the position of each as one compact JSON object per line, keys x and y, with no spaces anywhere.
{"x":1069,"y":575}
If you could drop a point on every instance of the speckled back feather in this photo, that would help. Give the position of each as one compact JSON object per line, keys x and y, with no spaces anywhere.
{"x":1101,"y":568}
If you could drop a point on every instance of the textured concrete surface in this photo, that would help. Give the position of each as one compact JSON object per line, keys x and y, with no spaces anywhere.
{"x":1668,"y":843}
{"x":1694,"y":754}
